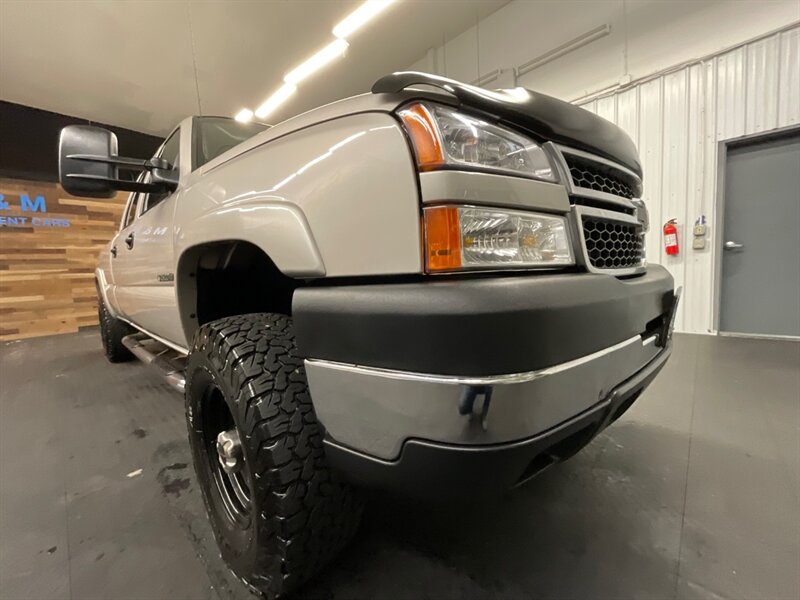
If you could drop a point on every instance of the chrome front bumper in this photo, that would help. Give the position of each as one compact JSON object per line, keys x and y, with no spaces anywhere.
{"x":375,"y":411}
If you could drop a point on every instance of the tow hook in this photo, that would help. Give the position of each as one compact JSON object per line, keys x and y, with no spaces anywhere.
{"x":466,"y":404}
{"x":229,"y":450}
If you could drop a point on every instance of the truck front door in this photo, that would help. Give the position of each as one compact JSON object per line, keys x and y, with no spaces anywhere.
{"x":143,"y":268}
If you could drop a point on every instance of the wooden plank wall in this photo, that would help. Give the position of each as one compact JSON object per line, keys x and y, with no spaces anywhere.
{"x":47,"y":269}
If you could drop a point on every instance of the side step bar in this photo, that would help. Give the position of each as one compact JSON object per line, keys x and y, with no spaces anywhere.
{"x":170,"y":363}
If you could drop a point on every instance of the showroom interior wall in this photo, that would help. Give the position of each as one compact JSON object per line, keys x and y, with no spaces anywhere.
{"x":48,"y":251}
{"x":742,"y":78}
{"x":678,"y":120}
{"x":49,"y":240}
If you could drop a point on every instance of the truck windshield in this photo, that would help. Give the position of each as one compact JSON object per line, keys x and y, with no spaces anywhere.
{"x":215,"y":135}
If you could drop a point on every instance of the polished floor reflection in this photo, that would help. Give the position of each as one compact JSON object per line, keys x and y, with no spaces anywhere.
{"x":694,"y":493}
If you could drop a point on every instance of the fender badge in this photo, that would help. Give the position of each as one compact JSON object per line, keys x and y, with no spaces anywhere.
{"x":163,"y":277}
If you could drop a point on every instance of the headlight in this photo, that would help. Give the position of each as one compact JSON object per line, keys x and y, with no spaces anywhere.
{"x":444,"y":137}
{"x":467,"y":237}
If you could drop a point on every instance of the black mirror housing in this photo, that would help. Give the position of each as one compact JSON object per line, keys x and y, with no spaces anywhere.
{"x":88,"y":165}
{"x":81,"y":177}
{"x":168,"y":178}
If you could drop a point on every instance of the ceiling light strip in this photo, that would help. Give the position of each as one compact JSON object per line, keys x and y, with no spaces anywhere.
{"x":330,"y":52}
{"x":346,"y":27}
{"x":244,"y":115}
{"x":274,"y":101}
{"x":356,"y":19}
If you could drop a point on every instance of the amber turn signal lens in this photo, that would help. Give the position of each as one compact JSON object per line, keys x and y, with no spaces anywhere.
{"x":442,"y":239}
{"x":422,"y":130}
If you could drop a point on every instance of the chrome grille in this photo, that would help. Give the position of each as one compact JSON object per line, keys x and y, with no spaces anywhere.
{"x":609,"y":216}
{"x":590,"y":175}
{"x":612,"y":244}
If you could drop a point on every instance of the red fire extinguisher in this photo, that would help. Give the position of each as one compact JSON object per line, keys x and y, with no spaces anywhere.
{"x":671,"y":237}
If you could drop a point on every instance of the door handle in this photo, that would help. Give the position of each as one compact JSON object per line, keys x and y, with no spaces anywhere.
{"x":114,"y":251}
{"x":730,"y":245}
{"x":129,"y":241}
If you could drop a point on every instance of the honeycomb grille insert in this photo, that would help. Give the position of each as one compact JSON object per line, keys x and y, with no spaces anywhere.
{"x":612,"y":244}
{"x":593,"y":176}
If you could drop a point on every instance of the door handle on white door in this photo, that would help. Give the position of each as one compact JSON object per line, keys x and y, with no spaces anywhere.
{"x":730,"y":245}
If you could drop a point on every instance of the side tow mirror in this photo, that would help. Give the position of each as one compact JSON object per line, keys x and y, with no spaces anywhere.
{"x":88,"y":165}
{"x":84,"y":161}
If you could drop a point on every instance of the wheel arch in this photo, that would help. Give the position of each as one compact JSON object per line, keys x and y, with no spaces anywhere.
{"x":103,"y":288}
{"x":224,"y":278}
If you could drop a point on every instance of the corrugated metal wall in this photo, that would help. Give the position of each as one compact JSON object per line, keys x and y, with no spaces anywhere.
{"x":677,"y":120}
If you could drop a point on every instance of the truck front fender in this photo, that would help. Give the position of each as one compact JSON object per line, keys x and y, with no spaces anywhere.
{"x":337,"y":199}
{"x":278,"y":228}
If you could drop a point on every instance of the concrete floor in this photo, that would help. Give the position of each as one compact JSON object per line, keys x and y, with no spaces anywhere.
{"x":694,"y":493}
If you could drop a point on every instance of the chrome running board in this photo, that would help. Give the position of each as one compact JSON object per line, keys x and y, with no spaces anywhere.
{"x":169,"y":363}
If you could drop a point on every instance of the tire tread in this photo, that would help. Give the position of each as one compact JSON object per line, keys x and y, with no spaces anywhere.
{"x":112,"y":330}
{"x":307,"y":514}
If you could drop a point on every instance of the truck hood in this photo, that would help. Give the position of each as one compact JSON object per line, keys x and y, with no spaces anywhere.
{"x":543,"y":116}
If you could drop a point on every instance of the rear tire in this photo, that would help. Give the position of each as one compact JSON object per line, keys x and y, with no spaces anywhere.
{"x":112,"y":330}
{"x":282,"y":514}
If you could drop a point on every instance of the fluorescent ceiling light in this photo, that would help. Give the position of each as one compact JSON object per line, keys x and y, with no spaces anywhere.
{"x":244,"y":115}
{"x":359,"y":16}
{"x":276,"y":100}
{"x":333,"y":50}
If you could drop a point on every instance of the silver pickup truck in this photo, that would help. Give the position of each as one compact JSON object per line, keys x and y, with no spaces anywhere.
{"x":430,"y":288}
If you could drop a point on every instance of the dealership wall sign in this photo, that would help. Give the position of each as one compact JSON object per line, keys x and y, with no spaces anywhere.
{"x":28,"y":206}
{"x":49,"y":242}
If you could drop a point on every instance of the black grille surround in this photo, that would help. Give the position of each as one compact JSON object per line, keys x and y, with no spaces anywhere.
{"x":612,"y":244}
{"x":590,"y":175}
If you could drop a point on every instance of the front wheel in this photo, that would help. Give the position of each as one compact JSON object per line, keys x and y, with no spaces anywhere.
{"x":278,"y":512}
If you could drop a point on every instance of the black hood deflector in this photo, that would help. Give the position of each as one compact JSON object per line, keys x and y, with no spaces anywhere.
{"x":541,"y":115}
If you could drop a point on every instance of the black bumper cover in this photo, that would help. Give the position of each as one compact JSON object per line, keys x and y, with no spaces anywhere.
{"x":430,"y":471}
{"x":478,"y":327}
